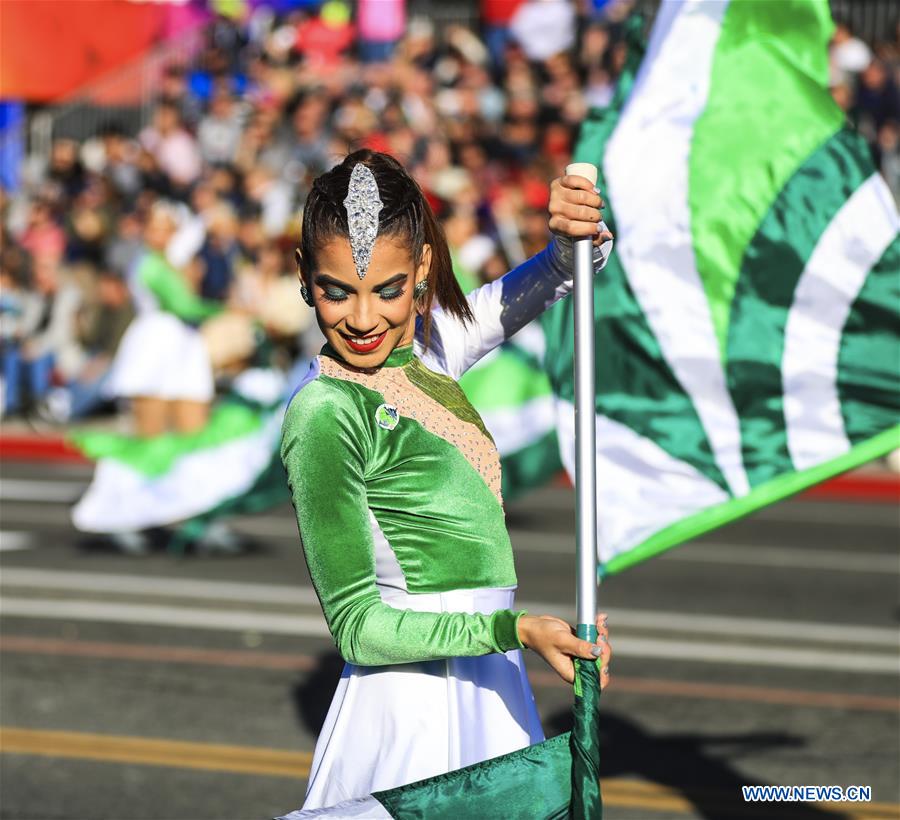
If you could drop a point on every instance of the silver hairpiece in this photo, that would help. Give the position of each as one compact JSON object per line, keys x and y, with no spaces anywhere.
{"x":363,"y":205}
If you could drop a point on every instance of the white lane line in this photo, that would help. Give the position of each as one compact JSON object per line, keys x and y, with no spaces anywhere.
{"x":158,"y":585}
{"x":12,"y":540}
{"x":840,"y":635}
{"x":735,"y":627}
{"x":306,"y":625}
{"x":838,"y":660}
{"x":175,"y":616}
{"x":59,"y":492}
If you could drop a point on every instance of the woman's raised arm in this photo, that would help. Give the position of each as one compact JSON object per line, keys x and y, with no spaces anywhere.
{"x":503,"y":307}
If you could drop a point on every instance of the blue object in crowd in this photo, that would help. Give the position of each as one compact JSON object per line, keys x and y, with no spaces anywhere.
{"x":12,"y":142}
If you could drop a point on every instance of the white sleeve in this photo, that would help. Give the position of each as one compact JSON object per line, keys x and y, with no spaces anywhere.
{"x":501,"y":308}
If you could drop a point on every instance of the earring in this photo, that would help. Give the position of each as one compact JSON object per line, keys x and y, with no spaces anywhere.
{"x":306,"y":296}
{"x":420,"y":288}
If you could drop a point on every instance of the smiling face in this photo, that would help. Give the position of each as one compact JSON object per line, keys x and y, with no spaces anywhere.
{"x":365,"y":319}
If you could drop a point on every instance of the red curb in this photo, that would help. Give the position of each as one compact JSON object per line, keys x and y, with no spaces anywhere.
{"x":884,"y":488}
{"x":37,"y":448}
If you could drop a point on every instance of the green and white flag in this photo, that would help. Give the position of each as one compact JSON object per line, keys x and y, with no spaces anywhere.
{"x":747,"y":325}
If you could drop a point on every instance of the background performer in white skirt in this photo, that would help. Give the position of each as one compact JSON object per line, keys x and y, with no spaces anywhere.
{"x":396,"y":484}
{"x":162,"y":364}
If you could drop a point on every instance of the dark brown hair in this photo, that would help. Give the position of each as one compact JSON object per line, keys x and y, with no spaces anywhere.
{"x":406,"y":217}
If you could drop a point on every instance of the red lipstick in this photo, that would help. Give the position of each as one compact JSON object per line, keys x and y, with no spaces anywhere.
{"x":368,"y":346}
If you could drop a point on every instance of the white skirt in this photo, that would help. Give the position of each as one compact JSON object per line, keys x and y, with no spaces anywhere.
{"x":391,"y":725}
{"x":162,"y":357}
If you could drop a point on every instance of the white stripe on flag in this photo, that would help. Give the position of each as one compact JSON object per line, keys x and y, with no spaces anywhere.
{"x":635,"y":473}
{"x":514,"y":428}
{"x":646,"y":167}
{"x":834,"y":274}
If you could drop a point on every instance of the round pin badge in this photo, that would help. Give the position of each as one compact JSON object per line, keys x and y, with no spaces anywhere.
{"x":387,"y":416}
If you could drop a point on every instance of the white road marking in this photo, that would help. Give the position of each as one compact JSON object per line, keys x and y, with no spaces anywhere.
{"x":300,"y":595}
{"x":174,"y":616}
{"x":58,"y":492}
{"x":158,"y":585}
{"x":12,"y":540}
{"x":308,"y":625}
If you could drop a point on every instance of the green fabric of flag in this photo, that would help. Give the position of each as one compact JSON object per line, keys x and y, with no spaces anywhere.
{"x":558,"y":779}
{"x":586,"y":802}
{"x":746,"y":333}
{"x":533,"y":783}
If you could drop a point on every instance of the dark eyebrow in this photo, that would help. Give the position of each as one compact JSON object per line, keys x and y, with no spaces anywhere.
{"x":392,"y":281}
{"x":325,"y":279}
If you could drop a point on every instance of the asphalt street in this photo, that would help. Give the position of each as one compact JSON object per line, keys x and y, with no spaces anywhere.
{"x":163,"y":687}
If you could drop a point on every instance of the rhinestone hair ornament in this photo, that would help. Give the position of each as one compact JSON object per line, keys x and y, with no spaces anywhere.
{"x":363,"y":204}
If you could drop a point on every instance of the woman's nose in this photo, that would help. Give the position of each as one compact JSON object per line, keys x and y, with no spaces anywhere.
{"x":363,"y":319}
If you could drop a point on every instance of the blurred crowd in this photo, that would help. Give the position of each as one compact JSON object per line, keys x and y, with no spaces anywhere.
{"x":482,"y":116}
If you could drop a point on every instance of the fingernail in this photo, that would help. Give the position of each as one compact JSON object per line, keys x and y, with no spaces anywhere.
{"x":600,"y":227}
{"x":606,"y":670}
{"x":602,"y":639}
{"x":596,"y":651}
{"x":597,"y":191}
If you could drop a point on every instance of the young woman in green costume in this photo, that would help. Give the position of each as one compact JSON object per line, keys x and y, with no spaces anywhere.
{"x":396,"y":486}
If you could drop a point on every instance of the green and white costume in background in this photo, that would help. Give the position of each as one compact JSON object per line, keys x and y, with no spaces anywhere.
{"x":162,"y":354}
{"x":396,"y":485}
{"x":140,"y":483}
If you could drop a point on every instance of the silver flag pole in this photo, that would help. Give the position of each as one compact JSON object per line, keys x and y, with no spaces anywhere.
{"x":585,"y":430}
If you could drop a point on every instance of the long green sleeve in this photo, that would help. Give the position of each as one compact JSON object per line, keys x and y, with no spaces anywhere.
{"x":172,"y":292}
{"x":326,"y":448}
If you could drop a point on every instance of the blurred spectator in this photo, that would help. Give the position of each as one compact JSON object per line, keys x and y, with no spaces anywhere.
{"x":322,"y":39}
{"x":848,"y":54}
{"x":119,"y":162}
{"x":175,"y":90}
{"x":43,"y":238}
{"x":219,"y":133}
{"x":543,"y":28}
{"x":172,"y":147}
{"x":877,"y":100}
{"x":380,"y":24}
{"x":43,"y":337}
{"x":495,"y":18}
{"x":219,"y":253}
{"x":101,"y":326}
